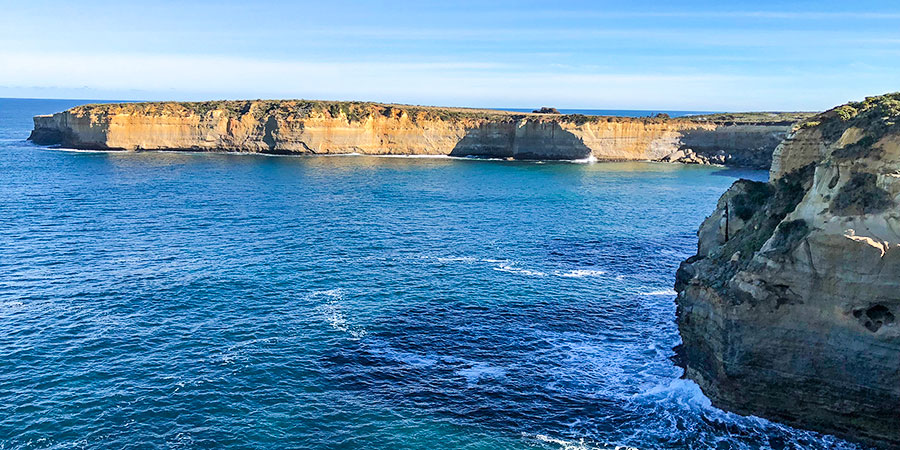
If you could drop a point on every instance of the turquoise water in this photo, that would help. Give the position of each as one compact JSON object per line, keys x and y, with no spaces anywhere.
{"x":166,"y":300}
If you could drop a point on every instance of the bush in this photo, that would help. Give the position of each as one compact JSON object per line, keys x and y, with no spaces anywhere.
{"x":810,"y":124}
{"x":579,"y":119}
{"x":863,"y":148}
{"x":754,"y":198}
{"x":788,"y":235}
{"x":846,"y":112}
{"x":861,"y":196}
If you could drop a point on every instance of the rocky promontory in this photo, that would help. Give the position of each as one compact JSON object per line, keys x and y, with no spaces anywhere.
{"x":318,"y":127}
{"x":789,"y":310}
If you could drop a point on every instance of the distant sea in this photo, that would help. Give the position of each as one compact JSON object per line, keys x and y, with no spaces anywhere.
{"x":182,"y":300}
{"x":617,"y":112}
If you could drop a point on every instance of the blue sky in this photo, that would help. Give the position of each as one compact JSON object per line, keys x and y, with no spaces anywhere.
{"x":688,"y":55}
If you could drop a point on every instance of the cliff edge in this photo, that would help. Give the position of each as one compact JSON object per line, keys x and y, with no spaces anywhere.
{"x":789,"y":310}
{"x":318,"y":127}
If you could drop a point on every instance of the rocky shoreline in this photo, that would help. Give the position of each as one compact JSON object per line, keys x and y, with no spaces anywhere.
{"x":789,"y":308}
{"x":317,"y":127}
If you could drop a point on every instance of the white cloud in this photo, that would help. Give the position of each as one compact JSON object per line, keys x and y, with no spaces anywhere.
{"x":445,"y":83}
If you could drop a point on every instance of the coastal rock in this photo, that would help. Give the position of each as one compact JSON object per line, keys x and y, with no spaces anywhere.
{"x":789,"y":310}
{"x":313,"y":127}
{"x":546,"y":110}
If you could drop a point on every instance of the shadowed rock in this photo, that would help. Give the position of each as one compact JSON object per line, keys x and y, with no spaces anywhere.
{"x":525,"y":139}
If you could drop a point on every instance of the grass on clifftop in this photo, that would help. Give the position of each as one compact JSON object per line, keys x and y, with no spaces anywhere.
{"x":359,"y":111}
{"x":767,"y":118}
{"x":876,"y":115}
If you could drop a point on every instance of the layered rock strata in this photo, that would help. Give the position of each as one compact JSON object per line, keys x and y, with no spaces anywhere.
{"x":789,"y":310}
{"x":312,"y":127}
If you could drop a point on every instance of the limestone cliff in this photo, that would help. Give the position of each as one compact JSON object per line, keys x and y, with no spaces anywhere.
{"x":789,"y":309}
{"x":313,"y":127}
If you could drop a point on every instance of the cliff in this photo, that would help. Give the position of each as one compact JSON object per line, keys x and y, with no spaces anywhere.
{"x":315,"y":127}
{"x":789,"y":308}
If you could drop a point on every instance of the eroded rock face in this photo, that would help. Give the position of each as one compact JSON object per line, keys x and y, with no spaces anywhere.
{"x":794,"y":316}
{"x":307,"y":127}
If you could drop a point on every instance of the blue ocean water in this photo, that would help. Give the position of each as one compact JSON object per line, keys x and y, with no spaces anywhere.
{"x":618,"y":112}
{"x":173,"y":300}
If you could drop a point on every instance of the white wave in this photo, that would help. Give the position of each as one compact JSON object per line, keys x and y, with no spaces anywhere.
{"x":465,"y":259}
{"x":417,"y":156}
{"x":579,"y":444}
{"x":284,"y":155}
{"x":580,"y":273}
{"x":343,"y":154}
{"x":511,"y":268}
{"x":13,"y":304}
{"x":480,"y":370}
{"x":76,"y":150}
{"x":659,"y":292}
{"x":480,"y":158}
{"x":680,"y":391}
{"x":332,"y":312}
{"x":589,"y":160}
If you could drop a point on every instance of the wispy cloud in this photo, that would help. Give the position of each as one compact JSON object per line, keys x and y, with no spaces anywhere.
{"x":779,"y":15}
{"x":676,"y":55}
{"x":448,"y":83}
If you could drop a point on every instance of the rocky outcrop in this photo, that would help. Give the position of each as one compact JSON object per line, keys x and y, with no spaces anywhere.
{"x":311,"y":127}
{"x":790,"y":308}
{"x":744,"y":145}
{"x":547,"y":110}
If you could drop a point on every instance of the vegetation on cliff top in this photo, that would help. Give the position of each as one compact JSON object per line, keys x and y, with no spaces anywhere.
{"x":360,"y":111}
{"x":861,"y":195}
{"x":298,"y":109}
{"x":877,"y":116}
{"x":756,"y":118}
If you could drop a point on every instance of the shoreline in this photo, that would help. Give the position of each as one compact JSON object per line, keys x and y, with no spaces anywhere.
{"x":396,"y":156}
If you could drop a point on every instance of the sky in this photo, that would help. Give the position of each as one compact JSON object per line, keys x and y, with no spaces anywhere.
{"x":629,"y":54}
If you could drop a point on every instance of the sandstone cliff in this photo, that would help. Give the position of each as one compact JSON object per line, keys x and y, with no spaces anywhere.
{"x":312,"y":127}
{"x":789,"y":309}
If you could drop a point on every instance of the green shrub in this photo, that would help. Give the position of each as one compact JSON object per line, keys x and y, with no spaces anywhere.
{"x":846,"y":112}
{"x":863,"y":148}
{"x":788,"y":235}
{"x":745,"y":204}
{"x":810,"y":124}
{"x":578,"y":119}
{"x":861,"y":195}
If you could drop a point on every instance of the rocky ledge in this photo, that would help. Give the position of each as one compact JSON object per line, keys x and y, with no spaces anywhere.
{"x":317,"y":127}
{"x":789,"y":310}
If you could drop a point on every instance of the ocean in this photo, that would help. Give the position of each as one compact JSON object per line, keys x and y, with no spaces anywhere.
{"x":180,"y":300}
{"x":618,"y":112}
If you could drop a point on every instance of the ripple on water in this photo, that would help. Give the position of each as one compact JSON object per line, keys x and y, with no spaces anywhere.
{"x":208,"y":300}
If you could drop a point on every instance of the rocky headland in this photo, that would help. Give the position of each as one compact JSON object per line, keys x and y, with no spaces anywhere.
{"x":318,"y":127}
{"x":789,"y":310}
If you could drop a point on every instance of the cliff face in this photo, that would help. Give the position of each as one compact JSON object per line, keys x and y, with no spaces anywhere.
{"x":789,"y":309}
{"x":305,"y":127}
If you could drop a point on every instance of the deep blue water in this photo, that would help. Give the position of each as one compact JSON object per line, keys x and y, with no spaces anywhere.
{"x":166,"y":300}
{"x":617,"y":112}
